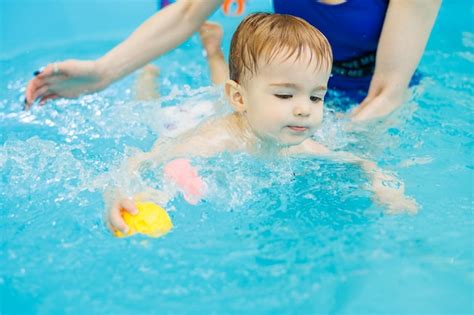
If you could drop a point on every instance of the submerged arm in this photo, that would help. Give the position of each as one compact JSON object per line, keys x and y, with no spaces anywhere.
{"x":405,"y":32}
{"x":387,"y":188}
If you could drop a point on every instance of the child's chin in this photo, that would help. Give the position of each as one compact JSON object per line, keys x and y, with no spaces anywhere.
{"x":292,"y":141}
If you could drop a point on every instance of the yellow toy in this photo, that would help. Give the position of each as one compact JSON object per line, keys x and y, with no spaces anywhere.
{"x":151,"y":220}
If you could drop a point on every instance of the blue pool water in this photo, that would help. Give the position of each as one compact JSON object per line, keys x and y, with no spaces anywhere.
{"x":273,"y":235}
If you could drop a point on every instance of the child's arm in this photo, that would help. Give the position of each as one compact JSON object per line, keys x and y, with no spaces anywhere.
{"x":198,"y":142}
{"x":387,"y":189}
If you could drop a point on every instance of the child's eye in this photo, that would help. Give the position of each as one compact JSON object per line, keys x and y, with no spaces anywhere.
{"x":315,"y":99}
{"x":284,"y":96}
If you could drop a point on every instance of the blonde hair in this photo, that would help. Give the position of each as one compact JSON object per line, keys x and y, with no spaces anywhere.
{"x":262,"y":36}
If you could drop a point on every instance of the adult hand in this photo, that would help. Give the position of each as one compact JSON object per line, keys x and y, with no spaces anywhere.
{"x":376,"y":106}
{"x":67,"y":79}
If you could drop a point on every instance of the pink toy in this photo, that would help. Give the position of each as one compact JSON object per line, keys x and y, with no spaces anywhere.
{"x":186,"y":177}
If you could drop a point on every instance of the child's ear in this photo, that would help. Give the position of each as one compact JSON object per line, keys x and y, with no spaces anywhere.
{"x":233,"y":91}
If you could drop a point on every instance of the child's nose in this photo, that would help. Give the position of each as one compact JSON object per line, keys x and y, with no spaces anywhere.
{"x":302,"y":109}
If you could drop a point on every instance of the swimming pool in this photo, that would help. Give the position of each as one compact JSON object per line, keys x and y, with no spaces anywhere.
{"x":273,"y":236}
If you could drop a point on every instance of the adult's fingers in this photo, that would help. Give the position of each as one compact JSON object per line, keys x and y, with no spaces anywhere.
{"x":47,"y":97}
{"x":40,"y":92}
{"x":35,"y":88}
{"x":49,"y":74}
{"x":29,"y":92}
{"x":359,"y":107}
{"x":365,"y":115}
{"x":52,"y":69}
{"x":32,"y":88}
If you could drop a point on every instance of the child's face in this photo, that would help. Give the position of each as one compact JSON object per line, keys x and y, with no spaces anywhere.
{"x":283,"y":101}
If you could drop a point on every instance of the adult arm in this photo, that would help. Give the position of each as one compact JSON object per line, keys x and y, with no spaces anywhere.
{"x":405,"y":32}
{"x":162,"y":32}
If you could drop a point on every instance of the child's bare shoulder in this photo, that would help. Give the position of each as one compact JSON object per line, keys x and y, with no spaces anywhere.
{"x":209,"y":138}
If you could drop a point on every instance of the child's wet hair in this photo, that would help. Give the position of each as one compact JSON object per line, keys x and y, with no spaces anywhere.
{"x":261,"y":37}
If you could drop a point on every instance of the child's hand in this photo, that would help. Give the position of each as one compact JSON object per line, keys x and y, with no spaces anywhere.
{"x":114,"y":215}
{"x":119,"y":204}
{"x":387,"y":189}
{"x":390,"y":192}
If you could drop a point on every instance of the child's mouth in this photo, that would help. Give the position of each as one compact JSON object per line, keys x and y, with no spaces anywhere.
{"x":298,"y":128}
